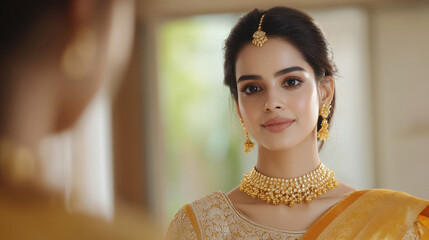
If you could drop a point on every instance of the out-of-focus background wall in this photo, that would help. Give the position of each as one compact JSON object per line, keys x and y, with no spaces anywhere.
{"x":171,"y":136}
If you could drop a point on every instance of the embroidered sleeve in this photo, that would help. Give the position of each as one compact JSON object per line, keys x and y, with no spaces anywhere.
{"x":416,"y":231}
{"x":181,"y":227}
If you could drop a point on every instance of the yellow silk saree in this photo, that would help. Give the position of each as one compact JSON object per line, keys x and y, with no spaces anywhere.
{"x":373,"y":214}
{"x":366,"y":214}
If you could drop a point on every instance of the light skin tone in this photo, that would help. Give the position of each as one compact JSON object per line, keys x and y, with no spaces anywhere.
{"x":275,"y":82}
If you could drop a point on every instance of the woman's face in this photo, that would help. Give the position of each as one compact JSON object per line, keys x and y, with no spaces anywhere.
{"x":277,"y":94}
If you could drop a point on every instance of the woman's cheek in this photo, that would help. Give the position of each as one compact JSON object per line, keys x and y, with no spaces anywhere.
{"x":248,"y":105}
{"x":249,"y":112}
{"x":307,"y":107}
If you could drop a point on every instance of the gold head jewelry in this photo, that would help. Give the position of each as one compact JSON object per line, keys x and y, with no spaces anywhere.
{"x":259,"y":37}
{"x":248,"y":144}
{"x":289,"y":190}
{"x":323,"y":133}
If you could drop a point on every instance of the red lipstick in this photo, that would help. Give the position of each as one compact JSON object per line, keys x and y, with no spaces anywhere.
{"x":277,"y":124}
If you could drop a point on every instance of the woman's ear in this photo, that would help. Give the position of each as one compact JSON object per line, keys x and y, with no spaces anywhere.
{"x":237,"y":107}
{"x":326,"y":88}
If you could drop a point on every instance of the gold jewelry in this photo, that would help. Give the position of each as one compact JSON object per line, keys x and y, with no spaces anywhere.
{"x":248,"y":144}
{"x":259,"y":37}
{"x":323,"y":133}
{"x":290,"y":190}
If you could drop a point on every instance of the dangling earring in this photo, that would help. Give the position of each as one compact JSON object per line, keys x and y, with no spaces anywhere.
{"x":323,"y":133}
{"x":248,"y":144}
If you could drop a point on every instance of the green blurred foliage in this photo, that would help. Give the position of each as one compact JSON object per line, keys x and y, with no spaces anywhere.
{"x":203,"y":138}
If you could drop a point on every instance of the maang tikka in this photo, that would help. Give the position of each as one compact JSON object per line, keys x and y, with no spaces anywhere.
{"x":259,"y":37}
{"x":323,"y":133}
{"x":248,"y":144}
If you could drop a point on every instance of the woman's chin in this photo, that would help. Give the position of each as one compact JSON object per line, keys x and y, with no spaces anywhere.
{"x":275,"y":147}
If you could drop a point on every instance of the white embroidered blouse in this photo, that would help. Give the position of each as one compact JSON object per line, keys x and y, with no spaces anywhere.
{"x":217,"y":218}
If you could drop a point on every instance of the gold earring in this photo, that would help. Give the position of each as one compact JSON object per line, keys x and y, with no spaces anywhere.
{"x":323,"y":133}
{"x":248,"y":144}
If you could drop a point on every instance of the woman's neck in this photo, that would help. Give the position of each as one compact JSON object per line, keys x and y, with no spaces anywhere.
{"x":289,"y":163}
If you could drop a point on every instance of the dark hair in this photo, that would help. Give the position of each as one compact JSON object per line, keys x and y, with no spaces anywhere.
{"x":292,"y":25}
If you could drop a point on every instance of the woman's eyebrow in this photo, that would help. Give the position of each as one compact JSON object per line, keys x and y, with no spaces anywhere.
{"x":249,"y":77}
{"x":279,"y":73}
{"x":288,"y":70}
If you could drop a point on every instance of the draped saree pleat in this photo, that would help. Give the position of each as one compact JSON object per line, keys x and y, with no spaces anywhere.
{"x":372,"y":214}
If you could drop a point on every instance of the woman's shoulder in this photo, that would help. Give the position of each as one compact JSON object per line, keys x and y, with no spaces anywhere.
{"x":378,"y":200}
{"x":181,"y":227}
{"x":388,"y":193}
{"x":200,"y":207}
{"x":384,"y":208}
{"x":186,"y":221}
{"x":398,"y":198}
{"x":375,"y":195}
{"x":209,"y":200}
{"x":54,"y":221}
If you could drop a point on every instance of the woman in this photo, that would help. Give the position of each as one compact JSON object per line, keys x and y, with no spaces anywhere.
{"x":54,"y":57}
{"x":278,"y":70}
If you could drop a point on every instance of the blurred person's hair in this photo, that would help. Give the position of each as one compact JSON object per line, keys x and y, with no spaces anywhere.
{"x":19,"y":19}
{"x":33,"y":32}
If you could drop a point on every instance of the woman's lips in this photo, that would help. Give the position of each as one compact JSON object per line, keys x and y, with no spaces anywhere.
{"x":277,"y":124}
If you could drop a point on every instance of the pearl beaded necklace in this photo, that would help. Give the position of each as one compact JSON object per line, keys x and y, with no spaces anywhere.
{"x":289,"y":191}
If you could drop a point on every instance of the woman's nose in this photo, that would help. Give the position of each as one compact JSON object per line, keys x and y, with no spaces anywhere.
{"x":274,"y":101}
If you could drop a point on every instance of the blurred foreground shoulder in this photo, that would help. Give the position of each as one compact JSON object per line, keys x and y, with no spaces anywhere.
{"x":34,"y":214}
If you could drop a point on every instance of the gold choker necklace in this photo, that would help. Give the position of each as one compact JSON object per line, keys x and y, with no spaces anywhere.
{"x":288,"y":190}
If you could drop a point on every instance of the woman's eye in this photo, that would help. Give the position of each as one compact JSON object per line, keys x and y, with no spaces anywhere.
{"x":292,"y":82}
{"x":251,"y":89}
